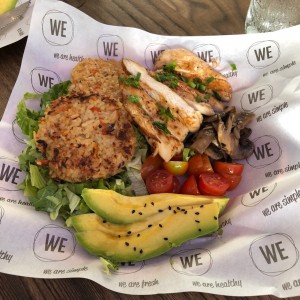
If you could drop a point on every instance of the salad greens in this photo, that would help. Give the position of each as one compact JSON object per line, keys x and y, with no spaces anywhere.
{"x":62,"y":199}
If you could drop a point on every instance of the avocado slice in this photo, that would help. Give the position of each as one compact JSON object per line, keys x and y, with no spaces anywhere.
{"x":128,"y":209}
{"x":146,"y":239}
{"x":7,"y":5}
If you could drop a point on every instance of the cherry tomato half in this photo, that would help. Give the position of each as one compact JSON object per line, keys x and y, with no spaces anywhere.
{"x":213,"y":184}
{"x":151,"y":164}
{"x":190,"y":186}
{"x":233,"y":179}
{"x":177,"y":168}
{"x":199,"y":163}
{"x":222,"y":167}
{"x":160,"y":181}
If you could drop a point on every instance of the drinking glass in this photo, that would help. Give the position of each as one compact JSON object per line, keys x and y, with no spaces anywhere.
{"x":272,"y":15}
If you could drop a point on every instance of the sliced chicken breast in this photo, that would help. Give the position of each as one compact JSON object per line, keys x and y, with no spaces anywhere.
{"x":162,"y":143}
{"x":161,"y":93}
{"x":156,"y":111}
{"x":191,"y":66}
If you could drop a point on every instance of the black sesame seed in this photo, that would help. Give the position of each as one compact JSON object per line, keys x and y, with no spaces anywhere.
{"x":141,"y":251}
{"x":126,"y":243}
{"x":104,"y":221}
{"x":119,"y":235}
{"x":152,"y":203}
{"x":175,"y":212}
{"x":129,"y":232}
{"x":160,"y":225}
{"x":185,"y":212}
{"x":199,"y":229}
{"x":170,"y":208}
{"x":145,"y":204}
{"x":197,"y":213}
{"x":215,"y":218}
{"x":160,"y":210}
{"x":201,"y":205}
{"x":140,"y":213}
{"x":138,"y":235}
{"x":133,"y":211}
{"x":150,"y":225}
{"x":134,"y":248}
{"x":197,"y":221}
{"x":178,"y":208}
{"x":165,"y":238}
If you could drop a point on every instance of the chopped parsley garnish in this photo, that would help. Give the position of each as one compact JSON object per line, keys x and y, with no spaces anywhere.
{"x":165,"y":112}
{"x":170,"y":77}
{"x":198,"y":99}
{"x":217,"y":95}
{"x":233,"y":67}
{"x":134,"y":99}
{"x":191,"y":83}
{"x":162,"y":126}
{"x":199,"y":85}
{"x":168,"y":74}
{"x":210,"y":79}
{"x":170,"y":67}
{"x":131,"y":80}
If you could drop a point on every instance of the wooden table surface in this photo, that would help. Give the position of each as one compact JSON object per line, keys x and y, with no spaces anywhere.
{"x":169,"y":17}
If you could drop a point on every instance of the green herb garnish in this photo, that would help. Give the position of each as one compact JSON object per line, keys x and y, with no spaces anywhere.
{"x":162,"y":126}
{"x":210,"y":79}
{"x":134,"y":99}
{"x":131,"y":80}
{"x":170,"y":67}
{"x":165,"y":112}
{"x":233,"y":67}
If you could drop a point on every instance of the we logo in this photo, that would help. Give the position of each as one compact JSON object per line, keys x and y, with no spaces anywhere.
{"x":43,"y":79}
{"x":57,"y":28}
{"x":10,"y":174}
{"x":152,"y":51}
{"x":263,"y":54}
{"x":209,"y":53}
{"x":267,"y":151}
{"x":110,"y":46}
{"x":257,"y":97}
{"x":129,"y":268}
{"x":274,"y":254}
{"x":258,"y":195}
{"x":54,"y":243}
{"x":192,"y":262}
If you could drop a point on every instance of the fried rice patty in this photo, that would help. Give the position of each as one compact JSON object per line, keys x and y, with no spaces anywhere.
{"x":97,"y":76}
{"x":85,"y":137}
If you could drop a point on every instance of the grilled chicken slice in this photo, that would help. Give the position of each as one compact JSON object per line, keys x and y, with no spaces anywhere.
{"x":162,"y":94}
{"x":191,"y":66}
{"x":203,"y":102}
{"x":156,"y":111}
{"x":162,"y":143}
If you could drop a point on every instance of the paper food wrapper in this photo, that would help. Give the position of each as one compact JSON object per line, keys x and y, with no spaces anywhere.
{"x":19,"y":29}
{"x":258,"y":252}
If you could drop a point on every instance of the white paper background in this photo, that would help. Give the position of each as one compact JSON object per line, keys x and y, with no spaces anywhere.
{"x":258,"y":252}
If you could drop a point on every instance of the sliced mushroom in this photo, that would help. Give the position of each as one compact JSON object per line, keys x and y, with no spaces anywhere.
{"x":225,"y":135}
{"x":204,"y":138}
{"x":230,"y":132}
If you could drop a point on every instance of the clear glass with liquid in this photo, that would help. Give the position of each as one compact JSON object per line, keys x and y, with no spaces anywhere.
{"x":272,"y":15}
